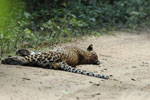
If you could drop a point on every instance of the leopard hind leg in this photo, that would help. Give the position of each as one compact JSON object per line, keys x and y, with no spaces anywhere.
{"x":25,"y":52}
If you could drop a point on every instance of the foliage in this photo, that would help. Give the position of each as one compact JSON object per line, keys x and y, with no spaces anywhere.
{"x":37,"y":23}
{"x":12,"y":25}
{"x":93,"y":13}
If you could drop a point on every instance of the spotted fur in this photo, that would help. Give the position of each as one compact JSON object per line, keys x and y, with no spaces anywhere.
{"x":65,"y":58}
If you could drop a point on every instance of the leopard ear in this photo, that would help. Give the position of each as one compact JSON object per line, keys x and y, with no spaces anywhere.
{"x":90,"y":47}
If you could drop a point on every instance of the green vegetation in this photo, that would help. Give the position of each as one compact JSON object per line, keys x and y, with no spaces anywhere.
{"x":38,"y":23}
{"x":10,"y":17}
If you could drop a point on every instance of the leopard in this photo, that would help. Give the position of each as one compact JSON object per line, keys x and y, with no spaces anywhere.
{"x":64,"y":58}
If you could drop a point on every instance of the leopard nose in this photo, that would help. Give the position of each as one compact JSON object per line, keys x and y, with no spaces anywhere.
{"x":98,"y":62}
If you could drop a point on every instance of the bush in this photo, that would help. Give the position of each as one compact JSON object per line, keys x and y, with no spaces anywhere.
{"x":37,"y":23}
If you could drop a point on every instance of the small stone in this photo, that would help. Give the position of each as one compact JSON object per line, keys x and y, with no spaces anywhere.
{"x":111,"y":75}
{"x":97,"y":84}
{"x":26,"y":78}
{"x":102,"y":70}
{"x":134,"y":67}
{"x":77,"y":98}
{"x":98,"y":94}
{"x":13,"y":85}
{"x":133,"y":79}
{"x":115,"y":80}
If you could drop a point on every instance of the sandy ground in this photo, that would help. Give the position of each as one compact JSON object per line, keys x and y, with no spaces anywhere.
{"x":125,"y":57}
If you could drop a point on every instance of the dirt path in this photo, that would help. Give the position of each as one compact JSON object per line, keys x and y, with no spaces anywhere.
{"x":125,"y":57}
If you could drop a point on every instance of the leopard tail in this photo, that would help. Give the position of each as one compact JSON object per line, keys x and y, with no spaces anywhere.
{"x":68,"y":68}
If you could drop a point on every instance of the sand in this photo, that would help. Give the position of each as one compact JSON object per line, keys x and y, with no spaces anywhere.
{"x":124,"y":57}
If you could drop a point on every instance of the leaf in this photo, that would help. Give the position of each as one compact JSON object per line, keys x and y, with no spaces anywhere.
{"x":92,"y":19}
{"x":65,"y":92}
{"x":1,"y":36}
{"x":27,"y":15}
{"x":135,"y":13}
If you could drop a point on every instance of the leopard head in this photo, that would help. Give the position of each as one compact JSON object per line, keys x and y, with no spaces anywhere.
{"x":89,"y":56}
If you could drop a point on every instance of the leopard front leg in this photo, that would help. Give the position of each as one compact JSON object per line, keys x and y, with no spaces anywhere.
{"x":15,"y":60}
